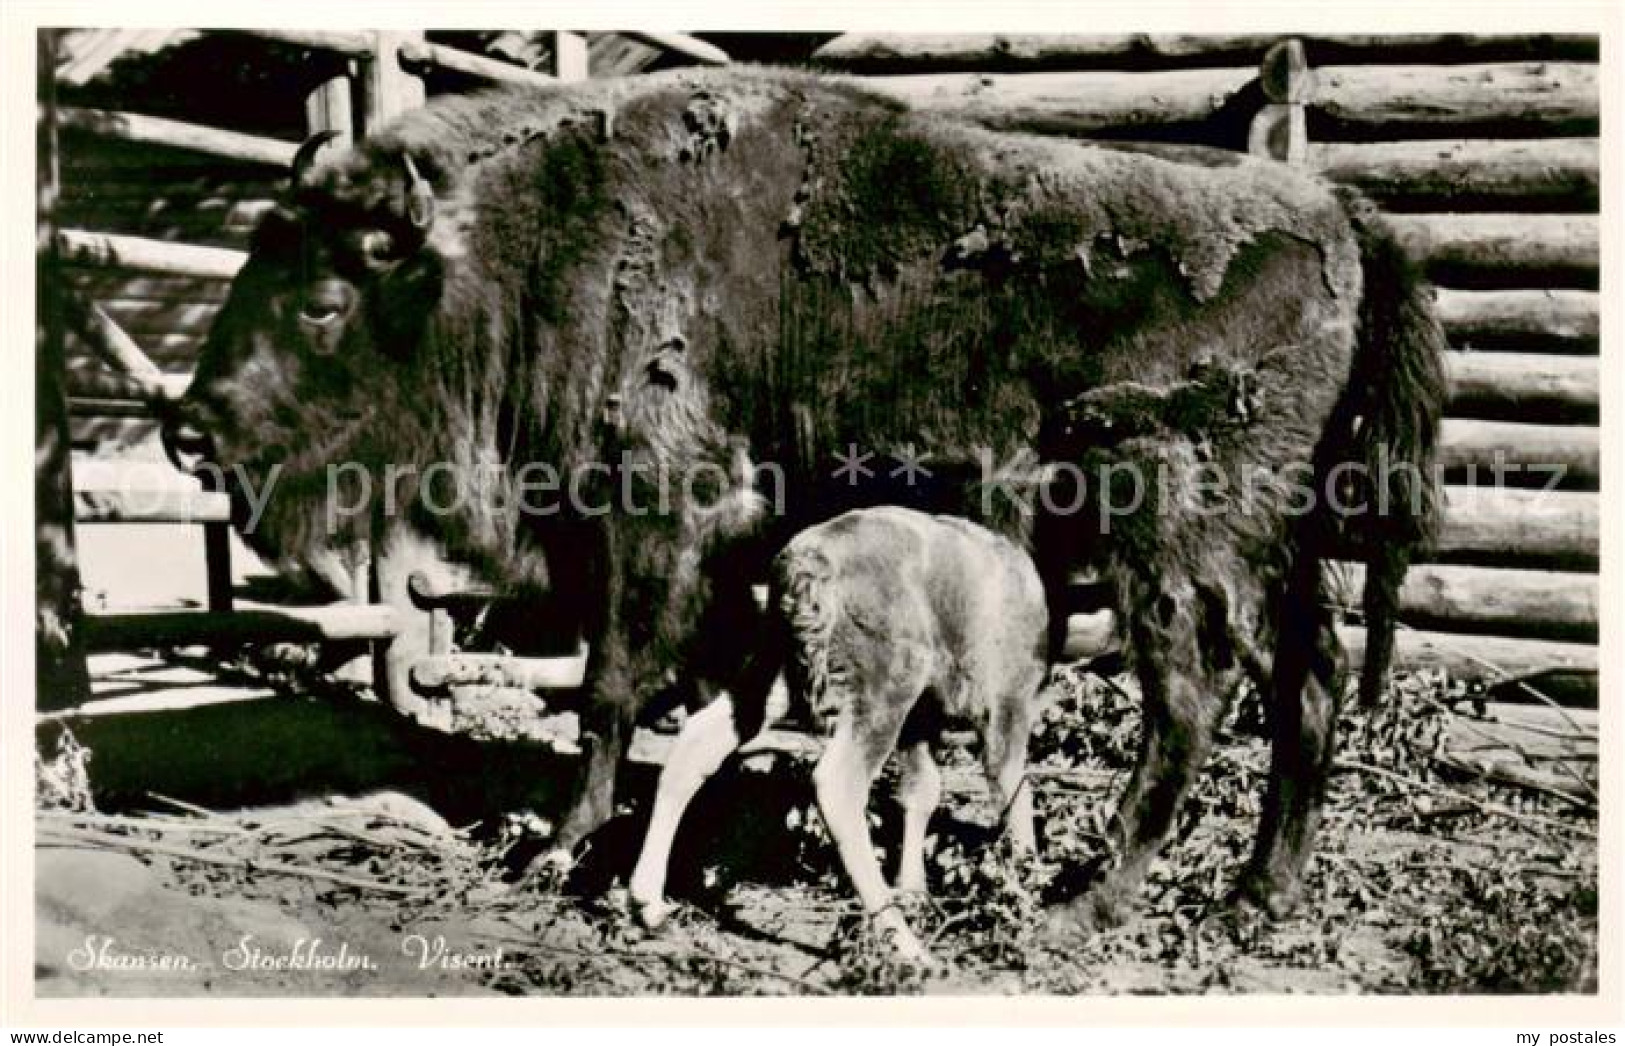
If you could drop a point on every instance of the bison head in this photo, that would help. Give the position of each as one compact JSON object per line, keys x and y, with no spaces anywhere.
{"x":305,"y":369}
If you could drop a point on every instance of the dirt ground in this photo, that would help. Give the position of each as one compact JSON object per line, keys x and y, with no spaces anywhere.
{"x":313,"y":846}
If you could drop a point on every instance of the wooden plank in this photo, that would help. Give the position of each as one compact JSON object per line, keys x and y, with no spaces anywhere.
{"x":1519,"y":454}
{"x":1508,"y":602}
{"x":337,"y":41}
{"x":344,"y":621}
{"x":154,"y":130}
{"x":1519,"y":385}
{"x":420,"y":56}
{"x":1383,"y":102}
{"x":570,"y":56}
{"x":1551,"y":174}
{"x":435,"y":676}
{"x":1487,"y":659}
{"x":389,"y":89}
{"x":60,"y":678}
{"x":1010,"y":52}
{"x":1554,"y":320}
{"x":1521,"y":250}
{"x":82,"y":247}
{"x":1069,"y":103}
{"x":152,"y":505}
{"x":683,"y":44}
{"x":1504,"y":527}
{"x":330,"y":106}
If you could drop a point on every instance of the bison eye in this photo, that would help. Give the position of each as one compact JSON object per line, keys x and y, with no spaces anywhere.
{"x":320,"y":313}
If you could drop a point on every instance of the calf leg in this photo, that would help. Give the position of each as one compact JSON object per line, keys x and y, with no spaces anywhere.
{"x":1004,"y":759}
{"x":1181,"y":713}
{"x":920,"y":793}
{"x":864,"y":736}
{"x":707,"y":739}
{"x":1304,"y":696}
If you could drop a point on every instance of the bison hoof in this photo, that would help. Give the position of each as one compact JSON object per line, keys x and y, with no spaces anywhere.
{"x":1260,"y":895}
{"x":1083,"y":917}
{"x":904,"y":942}
{"x":551,"y":868}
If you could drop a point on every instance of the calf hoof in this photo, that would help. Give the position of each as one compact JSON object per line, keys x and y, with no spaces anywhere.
{"x":651,"y":913}
{"x":903,"y":940}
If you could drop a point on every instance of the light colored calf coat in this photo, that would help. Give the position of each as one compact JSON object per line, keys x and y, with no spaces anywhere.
{"x":887,"y":622}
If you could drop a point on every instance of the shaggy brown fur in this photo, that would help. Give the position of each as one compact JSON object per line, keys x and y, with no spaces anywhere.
{"x":889,"y":622}
{"x":654,"y":273}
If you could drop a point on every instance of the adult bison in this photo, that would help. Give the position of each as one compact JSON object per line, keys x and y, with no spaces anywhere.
{"x":682,"y":315}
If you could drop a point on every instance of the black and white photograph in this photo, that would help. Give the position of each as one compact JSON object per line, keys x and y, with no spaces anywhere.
{"x":804,"y":512}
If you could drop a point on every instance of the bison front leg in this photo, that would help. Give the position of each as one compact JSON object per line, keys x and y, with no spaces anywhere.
{"x":607,"y":722}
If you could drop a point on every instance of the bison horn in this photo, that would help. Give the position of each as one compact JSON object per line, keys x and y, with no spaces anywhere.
{"x":306,"y":153}
{"x":419,"y":197}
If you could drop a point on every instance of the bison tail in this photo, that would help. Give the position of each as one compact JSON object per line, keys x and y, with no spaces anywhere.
{"x":1398,"y":393}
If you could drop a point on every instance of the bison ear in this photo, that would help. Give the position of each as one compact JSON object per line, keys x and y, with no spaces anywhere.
{"x":399,"y":234}
{"x":404,"y":299}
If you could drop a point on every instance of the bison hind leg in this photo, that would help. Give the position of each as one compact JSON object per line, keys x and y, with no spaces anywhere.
{"x":1304,"y":694}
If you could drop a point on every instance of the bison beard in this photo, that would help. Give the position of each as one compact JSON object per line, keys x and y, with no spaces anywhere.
{"x":725,"y":267}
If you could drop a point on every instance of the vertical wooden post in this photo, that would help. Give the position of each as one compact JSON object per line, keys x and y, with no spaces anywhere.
{"x":389,"y":89}
{"x":570,"y":56}
{"x":61,"y":678}
{"x":330,"y":107}
{"x":1280,"y":130}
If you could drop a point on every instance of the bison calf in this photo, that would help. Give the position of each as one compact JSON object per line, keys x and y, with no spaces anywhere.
{"x":886,"y":621}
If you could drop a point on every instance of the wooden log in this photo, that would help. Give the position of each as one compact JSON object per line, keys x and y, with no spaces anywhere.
{"x":434,"y":676}
{"x":81,"y":247}
{"x":1284,"y":74}
{"x":341,"y":622}
{"x":1550,"y":174}
{"x":335,"y":41}
{"x":1383,"y":102}
{"x":154,"y":130}
{"x":1069,"y":103}
{"x":420,"y":56}
{"x":1279,"y":132}
{"x":99,"y":384}
{"x":1519,"y":454}
{"x":1487,"y":659}
{"x":570,"y":58}
{"x":1523,"y":385}
{"x":152,"y":505}
{"x":1554,"y":320}
{"x":389,"y":89}
{"x":427,"y":595}
{"x":1507,"y":602}
{"x":330,"y":106}
{"x":1518,"y":250}
{"x":970,"y":52}
{"x":1498,"y":526}
{"x":60,"y":676}
{"x":683,"y":44}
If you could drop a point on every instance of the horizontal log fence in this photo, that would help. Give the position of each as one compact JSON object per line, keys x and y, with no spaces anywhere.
{"x":1014,"y":52}
{"x":1525,"y":454}
{"x":1564,"y":321}
{"x":1530,"y":386}
{"x":1518,"y":250}
{"x":1548,"y":174}
{"x":175,"y":134}
{"x":82,"y":247}
{"x":345,"y":622}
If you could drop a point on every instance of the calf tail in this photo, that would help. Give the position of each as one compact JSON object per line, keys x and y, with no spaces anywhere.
{"x":803,"y":601}
{"x":1397,"y":395}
